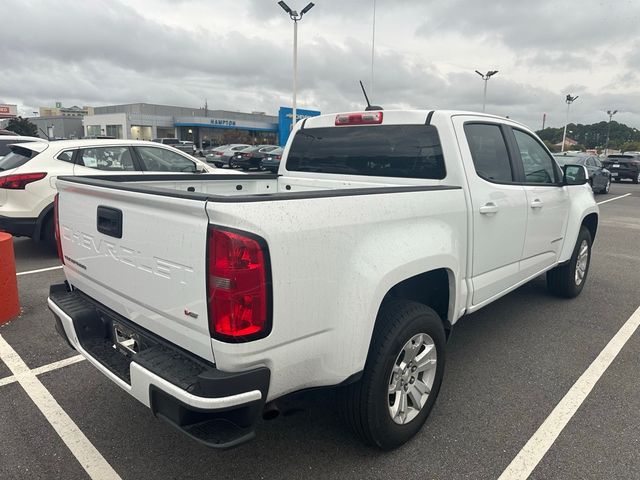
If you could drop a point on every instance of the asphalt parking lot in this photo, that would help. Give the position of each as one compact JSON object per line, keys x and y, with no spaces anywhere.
{"x":508,"y":367}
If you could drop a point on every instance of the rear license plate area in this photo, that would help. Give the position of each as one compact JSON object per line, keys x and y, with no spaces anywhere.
{"x":125,"y":340}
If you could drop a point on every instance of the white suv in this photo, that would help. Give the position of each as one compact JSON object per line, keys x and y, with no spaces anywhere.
{"x":29,"y":171}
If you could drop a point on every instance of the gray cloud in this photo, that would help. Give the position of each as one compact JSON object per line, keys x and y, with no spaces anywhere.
{"x":237,"y":55}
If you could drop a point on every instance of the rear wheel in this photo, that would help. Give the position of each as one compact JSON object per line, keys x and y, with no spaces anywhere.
{"x":606,"y":187}
{"x":568,"y":280}
{"x":402,"y":376}
{"x":48,"y":234}
{"x":637,"y":178}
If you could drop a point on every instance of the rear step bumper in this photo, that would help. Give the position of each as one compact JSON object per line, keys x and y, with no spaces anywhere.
{"x":216,"y":408}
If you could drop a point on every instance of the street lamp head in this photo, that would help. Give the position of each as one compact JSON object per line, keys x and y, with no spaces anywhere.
{"x":614,"y":112}
{"x":491,"y":73}
{"x":285,"y":7}
{"x":307,"y":8}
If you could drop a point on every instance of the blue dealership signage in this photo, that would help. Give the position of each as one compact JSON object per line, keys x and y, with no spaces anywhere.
{"x":284,"y":121}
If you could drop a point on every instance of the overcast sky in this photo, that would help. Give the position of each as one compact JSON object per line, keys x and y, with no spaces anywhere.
{"x":237,"y":55}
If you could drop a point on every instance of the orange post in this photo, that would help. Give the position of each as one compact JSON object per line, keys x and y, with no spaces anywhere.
{"x":9,"y":304}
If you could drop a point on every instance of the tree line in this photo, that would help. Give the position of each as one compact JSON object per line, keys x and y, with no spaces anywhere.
{"x":594,"y":136}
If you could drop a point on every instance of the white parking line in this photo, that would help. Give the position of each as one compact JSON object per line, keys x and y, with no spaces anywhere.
{"x":39,"y":270}
{"x":89,"y":457}
{"x":7,"y":380}
{"x":58,"y":364}
{"x":528,"y":458}
{"x":45,"y":368}
{"x":614,"y":198}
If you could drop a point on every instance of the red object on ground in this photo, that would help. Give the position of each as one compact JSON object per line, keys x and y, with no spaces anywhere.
{"x":9,"y":304}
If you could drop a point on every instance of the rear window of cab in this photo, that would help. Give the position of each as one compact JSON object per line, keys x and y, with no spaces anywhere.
{"x":409,"y":151}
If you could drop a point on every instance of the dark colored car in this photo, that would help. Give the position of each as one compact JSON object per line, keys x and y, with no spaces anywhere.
{"x":271,"y":161}
{"x":599,"y":177}
{"x":623,"y":166}
{"x":251,"y":157}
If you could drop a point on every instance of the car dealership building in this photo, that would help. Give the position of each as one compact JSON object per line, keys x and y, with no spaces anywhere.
{"x":143,"y":121}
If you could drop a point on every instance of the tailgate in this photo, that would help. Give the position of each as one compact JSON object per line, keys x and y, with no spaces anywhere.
{"x":154,"y":275}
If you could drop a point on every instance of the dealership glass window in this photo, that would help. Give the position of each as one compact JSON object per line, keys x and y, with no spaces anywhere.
{"x":114,"y":131}
{"x":163,"y":160}
{"x":107,"y":158}
{"x":93,"y":130}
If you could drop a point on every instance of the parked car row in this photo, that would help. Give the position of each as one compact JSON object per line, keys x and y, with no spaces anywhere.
{"x":599,"y":176}
{"x":245,"y":157}
{"x":28,"y":174}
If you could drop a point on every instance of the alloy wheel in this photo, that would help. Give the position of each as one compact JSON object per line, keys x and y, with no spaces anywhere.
{"x":411,"y":378}
{"x":582,"y":262}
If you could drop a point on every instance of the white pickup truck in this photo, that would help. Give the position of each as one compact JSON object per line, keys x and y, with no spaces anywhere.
{"x":208,"y":298}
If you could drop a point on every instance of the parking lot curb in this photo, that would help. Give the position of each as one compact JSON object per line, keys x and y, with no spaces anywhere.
{"x":9,"y":303}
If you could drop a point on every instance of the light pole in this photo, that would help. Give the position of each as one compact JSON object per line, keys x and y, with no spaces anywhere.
{"x":486,"y":77}
{"x":611,"y":114}
{"x":373,"y":43}
{"x":296,"y":17}
{"x":569,"y":99}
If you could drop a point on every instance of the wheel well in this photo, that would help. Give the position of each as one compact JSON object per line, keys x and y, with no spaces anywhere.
{"x":429,"y":288}
{"x":591,"y":222}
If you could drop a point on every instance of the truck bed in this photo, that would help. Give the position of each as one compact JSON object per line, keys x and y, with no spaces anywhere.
{"x":246,"y":188}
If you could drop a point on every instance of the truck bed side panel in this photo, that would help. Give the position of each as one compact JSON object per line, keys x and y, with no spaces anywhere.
{"x":333,"y":260}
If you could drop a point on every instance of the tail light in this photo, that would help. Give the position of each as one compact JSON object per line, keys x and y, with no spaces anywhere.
{"x":246,"y":155}
{"x":56,"y":223}
{"x":366,"y":118}
{"x":218,"y":154}
{"x":278,"y":157}
{"x":20,"y":180}
{"x":238,"y":286}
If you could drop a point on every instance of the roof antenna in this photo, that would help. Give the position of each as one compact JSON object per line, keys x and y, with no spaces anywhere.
{"x":369,"y":106}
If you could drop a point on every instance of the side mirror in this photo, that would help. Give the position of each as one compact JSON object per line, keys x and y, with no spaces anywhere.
{"x":575,"y":175}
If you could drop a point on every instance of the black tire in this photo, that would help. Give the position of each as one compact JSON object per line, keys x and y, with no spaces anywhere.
{"x":219,"y":164}
{"x":365,"y":403}
{"x":48,"y":235}
{"x":636,"y":180}
{"x":561,"y":281}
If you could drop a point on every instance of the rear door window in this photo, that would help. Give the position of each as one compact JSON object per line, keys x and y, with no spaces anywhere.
{"x":107,"y":158}
{"x":163,"y":160}
{"x":489,"y":152}
{"x":16,"y":157}
{"x":409,"y":151}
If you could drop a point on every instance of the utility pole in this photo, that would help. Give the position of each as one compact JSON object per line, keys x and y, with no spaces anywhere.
{"x":486,"y":77}
{"x":569,"y":99}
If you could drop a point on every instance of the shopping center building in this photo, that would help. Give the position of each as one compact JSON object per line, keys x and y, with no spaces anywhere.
{"x":143,"y":121}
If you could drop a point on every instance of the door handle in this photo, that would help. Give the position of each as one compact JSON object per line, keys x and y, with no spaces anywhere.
{"x":489,"y":208}
{"x":537,"y":203}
